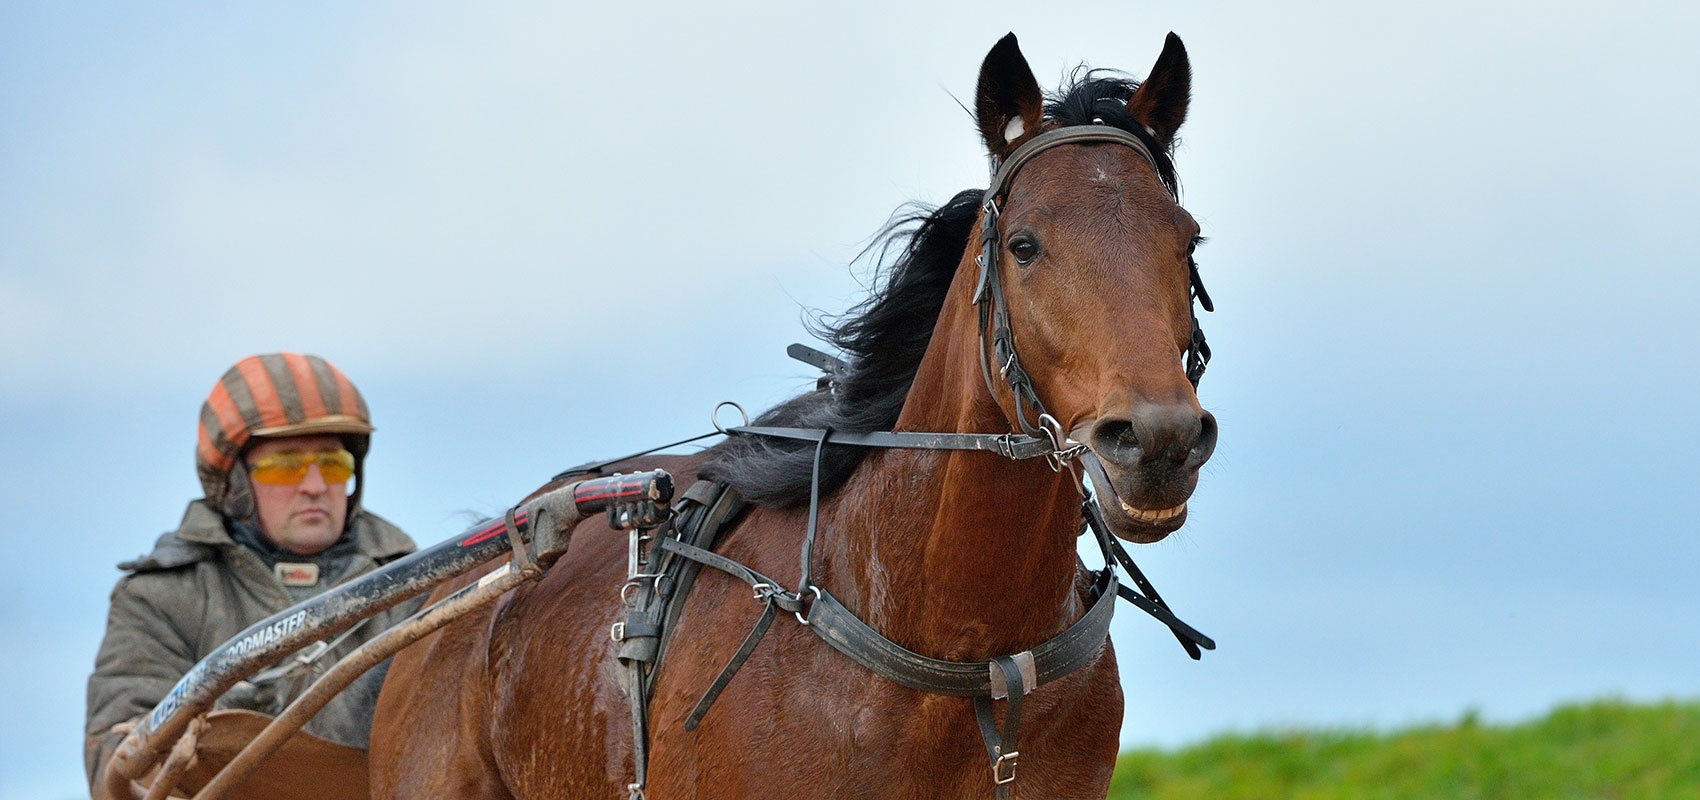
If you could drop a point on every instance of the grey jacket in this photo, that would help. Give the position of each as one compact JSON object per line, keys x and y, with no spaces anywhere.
{"x":197,"y":589}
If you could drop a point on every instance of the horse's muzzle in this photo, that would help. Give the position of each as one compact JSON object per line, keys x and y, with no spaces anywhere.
{"x":1149,"y":461}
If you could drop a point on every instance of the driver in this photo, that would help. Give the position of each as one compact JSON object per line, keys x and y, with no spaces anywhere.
{"x":281,"y":436}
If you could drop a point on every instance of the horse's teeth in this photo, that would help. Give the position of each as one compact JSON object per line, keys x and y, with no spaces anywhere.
{"x":1151,"y":516}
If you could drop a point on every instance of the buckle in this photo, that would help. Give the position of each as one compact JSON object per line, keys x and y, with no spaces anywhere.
{"x":998,"y":776}
{"x":618,"y":632}
{"x":799,"y":614}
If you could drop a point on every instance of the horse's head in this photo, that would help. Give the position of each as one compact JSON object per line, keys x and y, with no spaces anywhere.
{"x":1094,"y":271}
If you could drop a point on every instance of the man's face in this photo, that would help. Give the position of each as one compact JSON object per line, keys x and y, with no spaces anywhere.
{"x":305,"y":517}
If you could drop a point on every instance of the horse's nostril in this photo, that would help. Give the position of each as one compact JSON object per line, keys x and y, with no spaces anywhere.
{"x":1158,"y":437}
{"x":1206,"y":443}
{"x":1116,"y":439}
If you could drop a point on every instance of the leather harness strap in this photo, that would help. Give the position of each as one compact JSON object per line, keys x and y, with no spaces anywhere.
{"x":1077,"y":646}
{"x":1001,"y":748}
{"x":1004,"y":444}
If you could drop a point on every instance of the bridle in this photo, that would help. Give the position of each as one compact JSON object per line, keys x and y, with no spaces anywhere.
{"x":988,"y":290}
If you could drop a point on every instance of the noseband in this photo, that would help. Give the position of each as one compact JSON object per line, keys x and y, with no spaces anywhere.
{"x":988,"y":290}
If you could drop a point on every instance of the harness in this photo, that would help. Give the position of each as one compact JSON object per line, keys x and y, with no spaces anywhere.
{"x":662,"y":562}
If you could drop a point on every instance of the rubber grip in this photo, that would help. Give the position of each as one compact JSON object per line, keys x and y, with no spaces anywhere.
{"x":597,"y":494}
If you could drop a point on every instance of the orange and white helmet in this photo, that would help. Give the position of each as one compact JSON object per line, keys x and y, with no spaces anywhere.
{"x":272,"y":395}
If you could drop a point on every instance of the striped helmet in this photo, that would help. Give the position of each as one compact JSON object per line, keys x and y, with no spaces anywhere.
{"x":278,"y":394}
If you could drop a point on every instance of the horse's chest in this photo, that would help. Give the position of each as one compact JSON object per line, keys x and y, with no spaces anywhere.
{"x":848,"y":733}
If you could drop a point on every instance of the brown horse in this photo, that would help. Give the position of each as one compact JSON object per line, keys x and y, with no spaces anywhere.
{"x":956,"y":555}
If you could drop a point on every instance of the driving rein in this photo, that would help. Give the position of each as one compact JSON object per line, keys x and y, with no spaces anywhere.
{"x":662,"y":562}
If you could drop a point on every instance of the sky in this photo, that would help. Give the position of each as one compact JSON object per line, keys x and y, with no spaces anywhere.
{"x":1451,"y":248}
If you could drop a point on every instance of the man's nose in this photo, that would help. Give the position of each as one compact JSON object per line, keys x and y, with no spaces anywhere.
{"x":313,"y":482}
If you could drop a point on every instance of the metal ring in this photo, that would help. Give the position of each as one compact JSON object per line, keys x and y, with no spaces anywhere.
{"x":799,"y":614}
{"x":714,"y":416}
{"x":1053,"y":430}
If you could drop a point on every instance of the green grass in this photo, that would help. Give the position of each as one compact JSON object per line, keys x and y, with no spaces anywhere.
{"x":1608,"y":750}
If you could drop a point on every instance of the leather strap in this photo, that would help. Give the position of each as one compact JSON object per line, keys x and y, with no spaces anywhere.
{"x":806,"y":570}
{"x":640,"y":728}
{"x":731,"y":668}
{"x":706,"y":508}
{"x":1008,"y":445}
{"x":1075,"y":647}
{"x":1002,"y":749}
{"x":1073,"y":134}
{"x":1142,"y":594}
{"x":719,"y":562}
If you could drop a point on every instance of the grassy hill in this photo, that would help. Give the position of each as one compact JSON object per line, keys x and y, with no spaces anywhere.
{"x":1597,"y":750}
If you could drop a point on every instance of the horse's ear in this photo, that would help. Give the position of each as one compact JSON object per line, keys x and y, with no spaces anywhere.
{"x":1007,"y":103}
{"x":1161,"y":101}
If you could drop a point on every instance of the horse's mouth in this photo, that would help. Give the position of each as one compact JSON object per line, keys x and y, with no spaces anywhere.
{"x":1135,"y":521}
{"x":1154,"y":516}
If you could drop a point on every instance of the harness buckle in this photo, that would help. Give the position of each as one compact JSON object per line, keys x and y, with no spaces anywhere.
{"x":799,"y":614}
{"x":617,"y":632}
{"x":999,"y":777}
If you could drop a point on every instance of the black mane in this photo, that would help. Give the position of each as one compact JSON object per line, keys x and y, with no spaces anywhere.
{"x":884,"y":337}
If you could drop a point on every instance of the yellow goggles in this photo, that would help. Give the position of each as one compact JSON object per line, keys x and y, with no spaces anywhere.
{"x":290,"y":466}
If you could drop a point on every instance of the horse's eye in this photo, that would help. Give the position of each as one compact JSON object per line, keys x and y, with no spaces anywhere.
{"x":1024,"y":249}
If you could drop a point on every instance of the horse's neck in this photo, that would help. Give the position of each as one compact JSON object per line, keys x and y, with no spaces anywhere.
{"x":960,"y":554}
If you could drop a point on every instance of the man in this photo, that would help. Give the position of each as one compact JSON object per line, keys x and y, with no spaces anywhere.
{"x":281,"y":435}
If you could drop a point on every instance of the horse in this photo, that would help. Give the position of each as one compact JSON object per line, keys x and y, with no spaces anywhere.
{"x":954,"y":554}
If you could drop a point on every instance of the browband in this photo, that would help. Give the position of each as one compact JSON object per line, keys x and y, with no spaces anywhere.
{"x":1074,"y":134}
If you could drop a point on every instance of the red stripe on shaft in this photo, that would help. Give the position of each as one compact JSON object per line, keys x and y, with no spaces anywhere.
{"x":489,"y":531}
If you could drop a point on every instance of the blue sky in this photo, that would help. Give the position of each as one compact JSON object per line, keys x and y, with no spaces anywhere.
{"x":1452,"y":248}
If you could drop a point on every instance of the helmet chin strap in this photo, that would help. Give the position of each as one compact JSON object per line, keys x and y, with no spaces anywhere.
{"x":238,"y":502}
